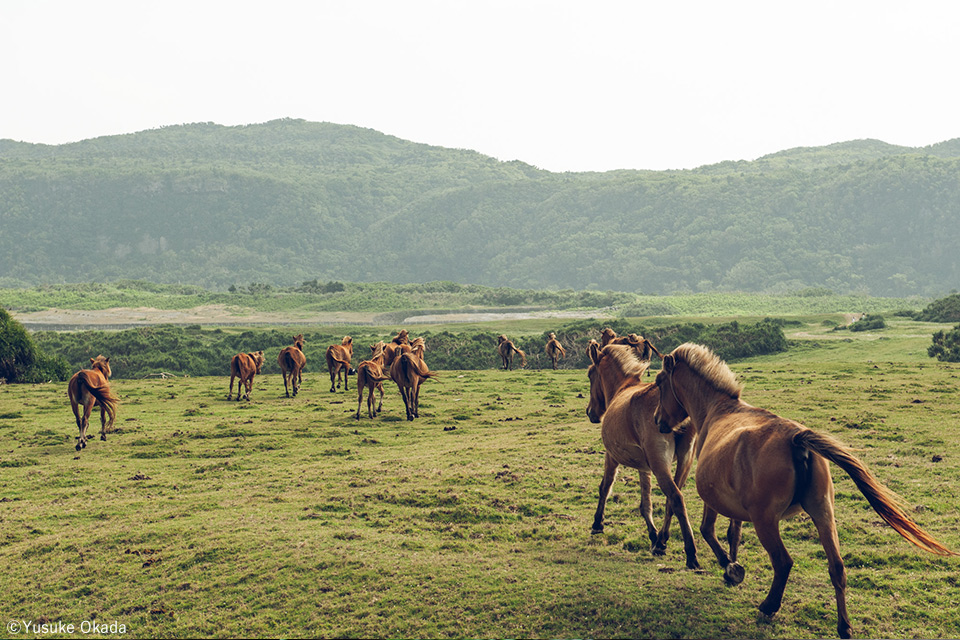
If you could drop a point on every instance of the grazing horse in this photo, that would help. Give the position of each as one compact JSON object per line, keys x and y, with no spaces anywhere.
{"x":292,"y":361}
{"x":755,"y":466}
{"x":338,"y":361}
{"x":624,"y":407}
{"x":244,"y":366}
{"x":506,"y":349}
{"x":409,"y":371}
{"x":370,"y":375}
{"x":89,"y":387}
{"x":554,"y":349}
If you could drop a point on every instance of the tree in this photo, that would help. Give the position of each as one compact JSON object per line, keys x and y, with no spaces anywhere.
{"x":20,"y":360}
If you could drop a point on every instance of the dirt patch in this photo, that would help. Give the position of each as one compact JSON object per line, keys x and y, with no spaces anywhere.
{"x":205,"y":315}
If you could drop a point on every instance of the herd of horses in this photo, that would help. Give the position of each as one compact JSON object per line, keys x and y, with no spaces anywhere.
{"x":752,"y":465}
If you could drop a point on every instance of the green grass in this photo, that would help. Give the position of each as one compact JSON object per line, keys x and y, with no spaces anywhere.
{"x":287,"y":517}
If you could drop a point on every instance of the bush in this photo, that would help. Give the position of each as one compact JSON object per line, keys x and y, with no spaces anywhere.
{"x":946,"y":345}
{"x":869,"y":322}
{"x":942,"y":310}
{"x":20,"y":360}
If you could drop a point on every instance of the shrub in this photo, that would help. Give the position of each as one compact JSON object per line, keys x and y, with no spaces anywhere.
{"x":869,"y":322}
{"x":20,"y":360}
{"x":942,"y":310}
{"x":946,"y":345}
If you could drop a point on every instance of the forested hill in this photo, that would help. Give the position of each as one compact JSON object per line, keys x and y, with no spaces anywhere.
{"x":289,"y":201}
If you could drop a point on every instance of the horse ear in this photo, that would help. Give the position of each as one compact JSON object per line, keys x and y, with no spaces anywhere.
{"x":92,"y":360}
{"x":108,"y":359}
{"x":668,"y":363}
{"x":594,"y":352}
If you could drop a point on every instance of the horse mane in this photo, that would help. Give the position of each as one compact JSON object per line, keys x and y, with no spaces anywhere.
{"x":709,"y":367}
{"x":626,"y":357}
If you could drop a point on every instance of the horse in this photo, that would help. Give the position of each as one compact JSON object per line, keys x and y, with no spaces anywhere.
{"x":409,"y":371}
{"x":370,"y":375}
{"x":755,"y":466}
{"x":506,"y":349}
{"x":607,"y":336}
{"x":624,"y":406}
{"x":554,"y":349}
{"x":338,"y":361}
{"x":244,"y":366}
{"x":292,"y":361}
{"x":90,"y":387}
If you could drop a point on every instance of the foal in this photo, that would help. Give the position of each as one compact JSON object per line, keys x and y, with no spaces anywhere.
{"x":244,"y":366}
{"x":506,"y":349}
{"x":338,"y":361}
{"x":370,"y":375}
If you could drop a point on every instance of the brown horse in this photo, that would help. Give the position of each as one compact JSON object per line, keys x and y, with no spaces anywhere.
{"x":409,"y":371}
{"x":338,"y":361}
{"x":370,"y":375}
{"x":607,"y":336}
{"x":89,"y":387}
{"x":755,"y":466}
{"x":506,"y":349}
{"x":244,"y":366}
{"x":292,"y":361}
{"x":624,"y":407}
{"x":554,"y":349}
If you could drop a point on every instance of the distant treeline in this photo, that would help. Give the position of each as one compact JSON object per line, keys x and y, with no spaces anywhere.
{"x":194,"y":351}
{"x":287,"y":201}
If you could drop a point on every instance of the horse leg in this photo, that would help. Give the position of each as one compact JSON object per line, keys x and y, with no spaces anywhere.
{"x":732,"y":572}
{"x":360,"y":401}
{"x":295,"y":381}
{"x":416,"y":399}
{"x":380,"y":404}
{"x":230,"y":392}
{"x":610,"y":467}
{"x":249,"y":385}
{"x":370,"y":408}
{"x":821,"y":513}
{"x":103,"y":422}
{"x":287,"y":390}
{"x":768,"y":533}
{"x":675,"y":504}
{"x":87,"y":410}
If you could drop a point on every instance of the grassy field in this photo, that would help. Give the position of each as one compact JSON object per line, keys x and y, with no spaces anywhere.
{"x":288,"y":517}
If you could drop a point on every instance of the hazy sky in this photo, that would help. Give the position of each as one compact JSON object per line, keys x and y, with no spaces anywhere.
{"x":565,"y":86}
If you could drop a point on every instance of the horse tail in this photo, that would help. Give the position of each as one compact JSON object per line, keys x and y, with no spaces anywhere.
{"x":289,"y":363}
{"x":101,"y":392}
{"x":523,"y":356}
{"x":563,"y":352}
{"x":365,"y":373}
{"x":887,"y":505}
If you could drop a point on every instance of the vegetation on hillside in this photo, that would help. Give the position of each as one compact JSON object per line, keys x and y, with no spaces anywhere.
{"x":289,"y":201}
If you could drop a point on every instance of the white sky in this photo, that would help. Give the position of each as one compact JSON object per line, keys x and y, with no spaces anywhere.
{"x":566,"y":86}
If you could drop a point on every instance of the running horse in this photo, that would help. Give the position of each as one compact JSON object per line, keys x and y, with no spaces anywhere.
{"x":409,"y":371}
{"x":370,"y":375}
{"x":244,"y":366}
{"x":755,"y":466}
{"x":554,"y":349}
{"x":338,"y":362}
{"x":624,"y":406}
{"x":91,"y":387}
{"x":506,"y":349}
{"x":292,"y":361}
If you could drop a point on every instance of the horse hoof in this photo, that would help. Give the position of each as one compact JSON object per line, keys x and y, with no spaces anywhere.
{"x":733,"y":574}
{"x":79,"y":447}
{"x":594,"y":531}
{"x":658,"y":550}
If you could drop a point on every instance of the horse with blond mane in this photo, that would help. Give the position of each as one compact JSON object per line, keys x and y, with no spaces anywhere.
{"x":292,"y":361}
{"x":554,"y":349}
{"x":409,"y":371}
{"x":370,"y":375}
{"x":755,"y":466}
{"x":624,"y":405}
{"x":90,"y":387}
{"x":244,"y":366}
{"x":338,"y":362}
{"x":506,"y":349}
